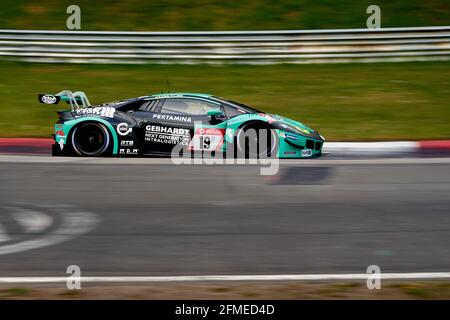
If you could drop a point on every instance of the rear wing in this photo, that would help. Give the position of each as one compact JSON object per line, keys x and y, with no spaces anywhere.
{"x":76,"y":99}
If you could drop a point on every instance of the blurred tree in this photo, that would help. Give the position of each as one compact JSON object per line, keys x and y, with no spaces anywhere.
{"x":160,"y":15}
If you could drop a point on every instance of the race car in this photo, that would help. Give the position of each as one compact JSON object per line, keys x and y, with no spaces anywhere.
{"x":154,"y":125}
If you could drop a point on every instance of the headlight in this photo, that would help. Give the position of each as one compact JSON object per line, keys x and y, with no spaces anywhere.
{"x":295,"y":129}
{"x":287,"y":128}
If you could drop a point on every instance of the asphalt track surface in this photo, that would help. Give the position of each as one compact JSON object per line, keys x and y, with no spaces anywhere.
{"x":119,"y":217}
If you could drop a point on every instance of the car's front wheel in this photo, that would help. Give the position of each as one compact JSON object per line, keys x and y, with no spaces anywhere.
{"x":256,"y":140}
{"x":91,"y":139}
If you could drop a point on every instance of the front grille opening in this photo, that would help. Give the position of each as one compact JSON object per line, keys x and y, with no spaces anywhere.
{"x":318,"y":145}
{"x":309,"y":144}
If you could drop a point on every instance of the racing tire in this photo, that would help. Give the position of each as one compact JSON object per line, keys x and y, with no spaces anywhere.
{"x":91,"y":139}
{"x":249,"y":144}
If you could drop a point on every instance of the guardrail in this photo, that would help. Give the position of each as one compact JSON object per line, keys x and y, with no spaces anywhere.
{"x":251,"y":47}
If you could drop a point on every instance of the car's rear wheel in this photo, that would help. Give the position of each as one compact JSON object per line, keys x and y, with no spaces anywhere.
{"x":256,"y":140}
{"x":91,"y":139}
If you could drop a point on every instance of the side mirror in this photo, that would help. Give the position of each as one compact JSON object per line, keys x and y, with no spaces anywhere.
{"x":214,"y":115}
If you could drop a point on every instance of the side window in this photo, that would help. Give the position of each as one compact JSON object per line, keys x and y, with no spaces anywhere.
{"x":177,"y":106}
{"x":188,"y":106}
{"x":232,"y":111}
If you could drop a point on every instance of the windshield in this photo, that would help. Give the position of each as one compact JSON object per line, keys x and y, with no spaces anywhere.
{"x":240,"y":106}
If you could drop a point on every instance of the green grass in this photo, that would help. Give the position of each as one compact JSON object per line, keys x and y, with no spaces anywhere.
{"x":424,"y":290}
{"x":14,"y":292}
{"x":336,"y":290}
{"x":221,"y":289}
{"x":343,"y":101}
{"x":71,"y":294}
{"x":162,"y":15}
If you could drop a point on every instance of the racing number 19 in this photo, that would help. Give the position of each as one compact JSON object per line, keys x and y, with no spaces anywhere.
{"x":205,"y":142}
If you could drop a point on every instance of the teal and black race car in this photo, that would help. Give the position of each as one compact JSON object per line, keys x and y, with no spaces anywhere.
{"x":154,"y":125}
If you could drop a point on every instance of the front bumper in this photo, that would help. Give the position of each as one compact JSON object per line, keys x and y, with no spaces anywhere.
{"x":298,"y":146}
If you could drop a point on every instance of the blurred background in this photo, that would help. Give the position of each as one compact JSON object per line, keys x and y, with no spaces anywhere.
{"x":345,"y":101}
{"x":206,"y":15}
{"x":154,"y":218}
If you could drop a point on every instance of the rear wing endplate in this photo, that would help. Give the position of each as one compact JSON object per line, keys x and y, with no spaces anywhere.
{"x":76,"y":99}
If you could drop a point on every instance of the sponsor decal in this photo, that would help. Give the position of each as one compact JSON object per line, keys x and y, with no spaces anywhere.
{"x":126,"y":151}
{"x":167,"y":135}
{"x":126,"y":143}
{"x":168,"y":95}
{"x":60,"y":133}
{"x":49,"y":99}
{"x":270,"y":119}
{"x":107,"y":112}
{"x":123,"y":129}
{"x":207,"y":139}
{"x":61,"y":144}
{"x":290,"y":152}
{"x":306,"y":152}
{"x":290,"y":136}
{"x":172,"y":117}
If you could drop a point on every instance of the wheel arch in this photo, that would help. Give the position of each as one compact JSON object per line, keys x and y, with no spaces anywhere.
{"x":255,"y":121}
{"x":252,"y":122}
{"x":108,"y":126}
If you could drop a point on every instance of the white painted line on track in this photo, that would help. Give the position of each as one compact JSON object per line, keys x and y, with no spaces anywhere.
{"x":3,"y":235}
{"x":167,"y":161}
{"x":362,"y":148}
{"x":38,"y":159}
{"x":293,"y":277}
{"x":72,"y":225}
{"x":31,"y":220}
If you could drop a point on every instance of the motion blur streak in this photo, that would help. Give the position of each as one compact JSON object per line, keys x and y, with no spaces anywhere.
{"x":252,"y":47}
{"x":326,"y":217}
{"x":279,"y":277}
